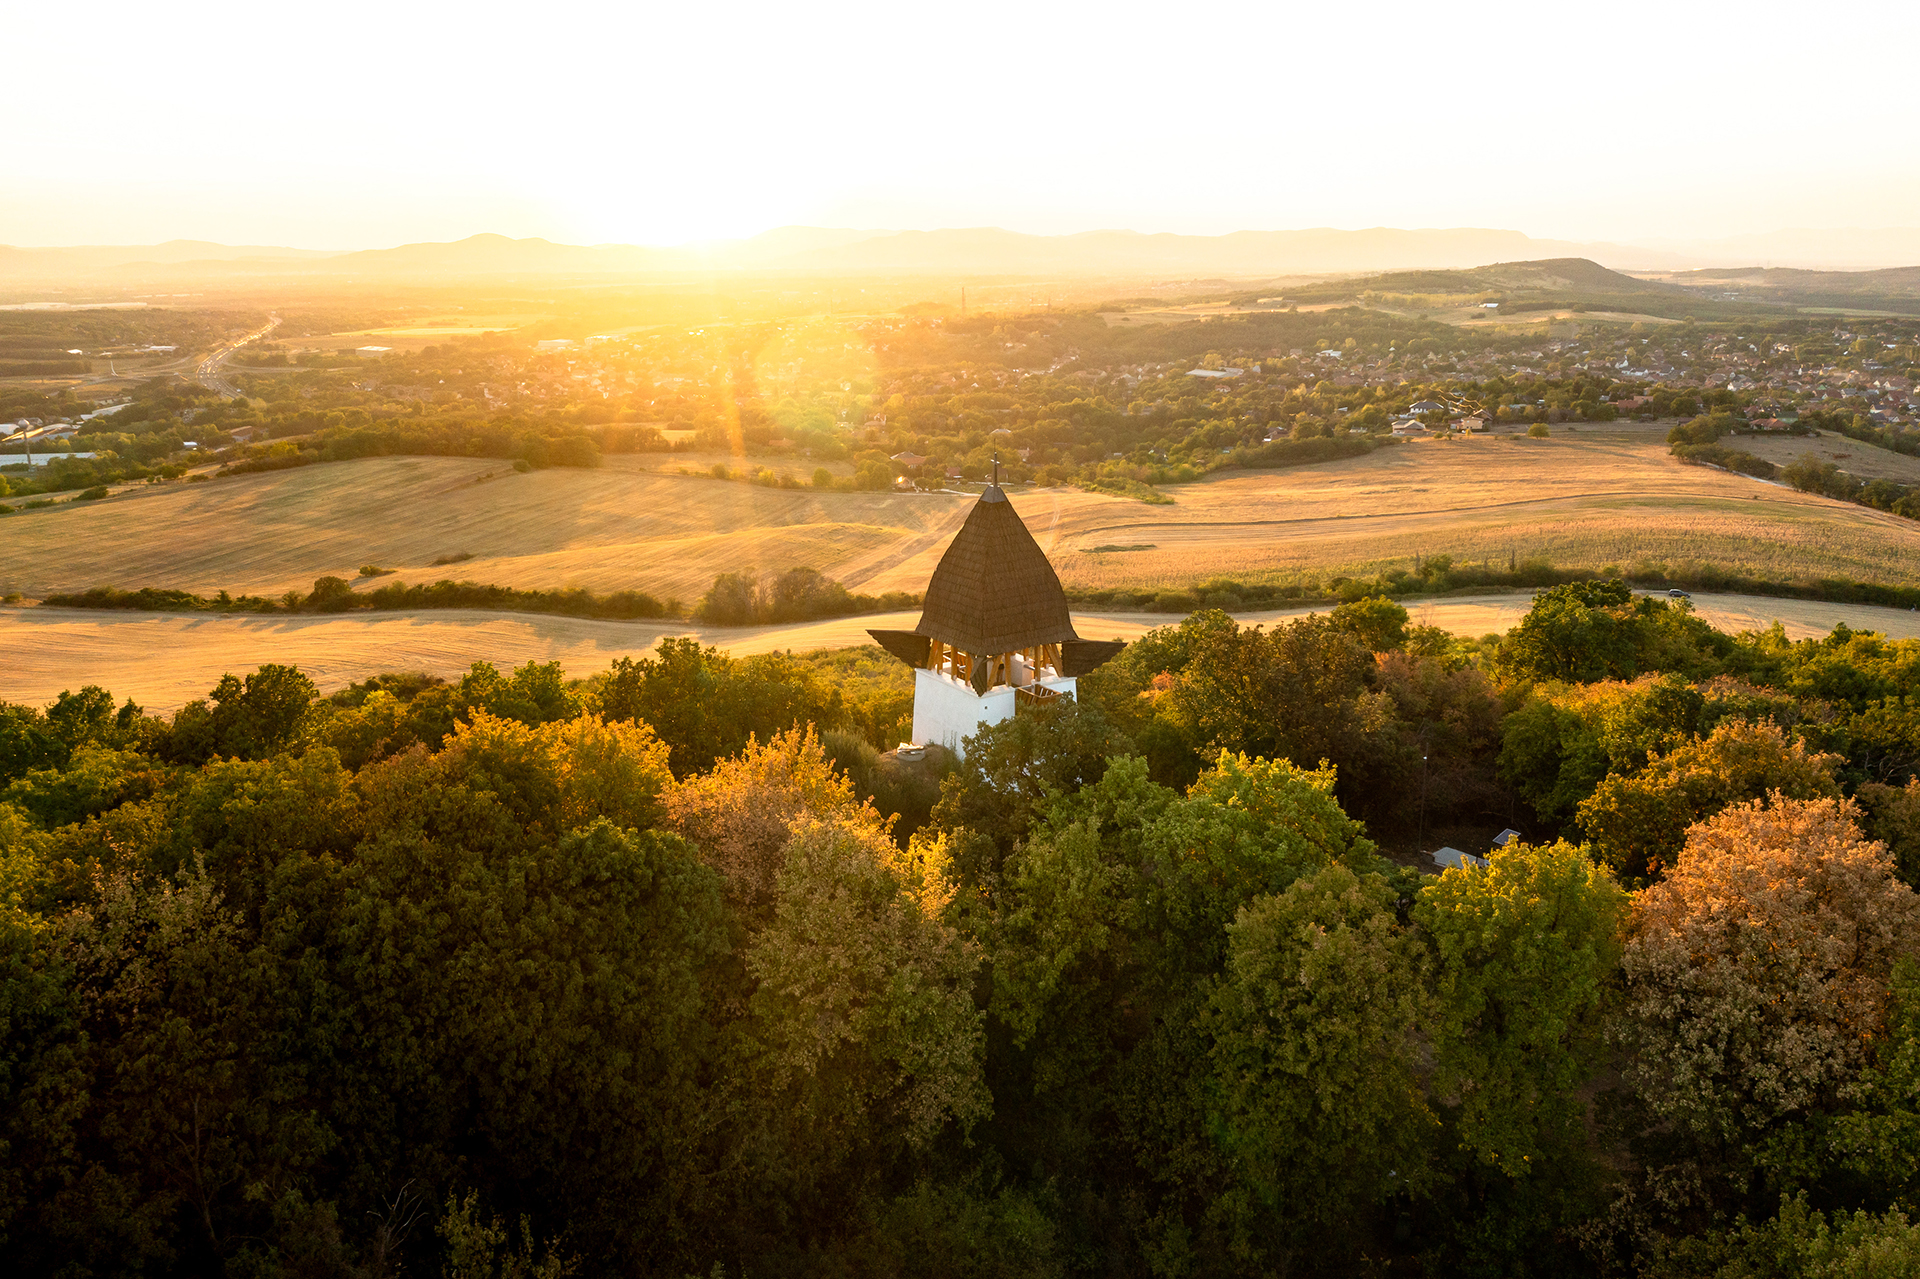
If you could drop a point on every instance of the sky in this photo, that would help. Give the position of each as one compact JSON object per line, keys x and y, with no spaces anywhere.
{"x":343,"y":127}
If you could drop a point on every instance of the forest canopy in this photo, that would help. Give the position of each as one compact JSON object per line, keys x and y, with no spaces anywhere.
{"x":669,"y":969}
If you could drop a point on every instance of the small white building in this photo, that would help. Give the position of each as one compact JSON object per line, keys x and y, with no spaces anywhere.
{"x":371,"y":352}
{"x":1451,"y":858}
{"x":995,"y":636}
{"x":554,"y":344}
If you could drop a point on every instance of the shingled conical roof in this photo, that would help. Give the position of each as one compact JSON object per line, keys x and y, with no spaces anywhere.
{"x":994,"y":591}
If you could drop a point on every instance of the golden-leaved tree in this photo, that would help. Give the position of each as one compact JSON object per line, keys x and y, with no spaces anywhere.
{"x":1757,"y":979}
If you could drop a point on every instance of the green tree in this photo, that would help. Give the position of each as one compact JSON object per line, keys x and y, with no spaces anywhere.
{"x":1314,"y":1062}
{"x":1579,"y":632}
{"x":250,"y":718}
{"x":1638,"y":822}
{"x":706,"y":705}
{"x":1010,"y":769}
{"x":1524,"y":950}
{"x":863,"y":995}
{"x":1377,"y":622}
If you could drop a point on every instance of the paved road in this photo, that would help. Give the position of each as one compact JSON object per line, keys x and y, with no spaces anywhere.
{"x":212,"y":371}
{"x":163,"y":660}
{"x":209,"y":372}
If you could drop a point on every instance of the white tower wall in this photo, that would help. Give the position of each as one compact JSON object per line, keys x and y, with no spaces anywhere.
{"x":946,"y":710}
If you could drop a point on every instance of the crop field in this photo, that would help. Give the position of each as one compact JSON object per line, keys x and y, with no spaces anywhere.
{"x":1593,"y":499}
{"x":164,"y":660}
{"x":607,"y":529}
{"x":1867,"y":461}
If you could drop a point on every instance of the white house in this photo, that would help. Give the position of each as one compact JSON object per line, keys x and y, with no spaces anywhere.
{"x":1450,"y":858}
{"x":995,"y":636}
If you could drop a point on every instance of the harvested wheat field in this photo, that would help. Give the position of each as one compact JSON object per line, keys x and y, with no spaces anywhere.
{"x":1588,"y":500}
{"x":605,"y":530}
{"x":1867,"y":461}
{"x":163,"y":660}
{"x":1592,"y":499}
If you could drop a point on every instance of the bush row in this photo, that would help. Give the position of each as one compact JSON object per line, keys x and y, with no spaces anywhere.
{"x":334,"y":595}
{"x":1439,"y":575}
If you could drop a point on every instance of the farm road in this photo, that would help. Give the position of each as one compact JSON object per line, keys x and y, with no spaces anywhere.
{"x":163,"y":660}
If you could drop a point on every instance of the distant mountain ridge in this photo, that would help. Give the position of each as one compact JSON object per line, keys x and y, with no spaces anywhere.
{"x":994,"y":251}
{"x":980,"y":251}
{"x":962,"y":251}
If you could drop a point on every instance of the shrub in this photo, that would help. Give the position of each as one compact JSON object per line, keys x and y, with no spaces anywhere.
{"x":1538,"y":431}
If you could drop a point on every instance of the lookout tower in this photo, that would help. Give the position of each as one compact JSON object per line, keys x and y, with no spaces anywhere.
{"x":994,"y":636}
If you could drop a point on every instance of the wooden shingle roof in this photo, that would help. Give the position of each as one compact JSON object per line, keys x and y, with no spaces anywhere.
{"x":994,"y":590}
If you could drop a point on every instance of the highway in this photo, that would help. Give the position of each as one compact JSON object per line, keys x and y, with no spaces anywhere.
{"x":211,"y":373}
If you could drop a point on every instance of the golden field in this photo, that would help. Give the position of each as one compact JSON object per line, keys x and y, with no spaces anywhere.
{"x":1867,"y":461}
{"x":1593,"y":498}
{"x":163,"y":660}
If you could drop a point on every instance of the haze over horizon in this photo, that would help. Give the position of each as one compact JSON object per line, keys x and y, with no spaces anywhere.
{"x":656,"y":126}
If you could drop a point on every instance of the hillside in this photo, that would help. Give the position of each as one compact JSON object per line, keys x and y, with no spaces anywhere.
{"x":1546,"y":279}
{"x":1894,"y":288}
{"x":1588,"y":498}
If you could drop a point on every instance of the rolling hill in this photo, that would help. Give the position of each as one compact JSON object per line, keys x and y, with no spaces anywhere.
{"x":1593,"y":497}
{"x":981,"y":251}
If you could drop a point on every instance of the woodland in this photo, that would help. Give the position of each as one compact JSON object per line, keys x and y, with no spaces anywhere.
{"x":669,"y":971}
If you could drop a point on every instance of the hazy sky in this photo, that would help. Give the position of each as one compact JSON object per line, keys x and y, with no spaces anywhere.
{"x":351,"y":126}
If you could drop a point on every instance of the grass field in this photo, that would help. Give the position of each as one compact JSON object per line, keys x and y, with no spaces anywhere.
{"x":163,"y":660}
{"x":607,"y":529}
{"x":1595,"y":498}
{"x":1868,"y":461}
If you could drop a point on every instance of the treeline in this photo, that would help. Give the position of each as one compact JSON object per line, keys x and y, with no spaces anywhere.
{"x":42,"y":368}
{"x":64,"y":474}
{"x":1810,"y":474}
{"x":797,"y":595}
{"x":624,"y":976}
{"x":336,"y":595}
{"x":1300,"y":452}
{"x":533,"y":446}
{"x":735,"y":599}
{"x":1435,"y":575}
{"x":1738,"y":460}
{"x":1695,"y":441}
